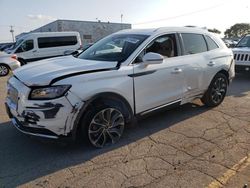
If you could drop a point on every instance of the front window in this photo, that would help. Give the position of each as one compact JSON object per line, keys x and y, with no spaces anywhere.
{"x":244,"y":42}
{"x":164,"y":45}
{"x":25,"y":46}
{"x":114,"y":48}
{"x":16,"y":44}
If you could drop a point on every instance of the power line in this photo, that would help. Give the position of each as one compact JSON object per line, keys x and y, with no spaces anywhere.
{"x":181,"y":15}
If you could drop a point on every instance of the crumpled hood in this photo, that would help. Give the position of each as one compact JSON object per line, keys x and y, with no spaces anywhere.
{"x":41,"y":73}
{"x":242,"y":49}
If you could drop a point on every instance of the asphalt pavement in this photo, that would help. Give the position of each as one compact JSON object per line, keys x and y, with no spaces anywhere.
{"x":189,"y":146}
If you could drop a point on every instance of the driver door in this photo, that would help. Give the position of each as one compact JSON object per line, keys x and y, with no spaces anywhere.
{"x":159,"y":85}
{"x":25,"y":50}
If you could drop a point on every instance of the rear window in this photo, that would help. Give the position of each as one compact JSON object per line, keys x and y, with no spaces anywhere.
{"x":194,"y":43}
{"x":49,"y":42}
{"x":210,"y":43}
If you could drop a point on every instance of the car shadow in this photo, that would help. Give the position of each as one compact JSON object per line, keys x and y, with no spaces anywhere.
{"x":240,"y":85}
{"x":24,"y":159}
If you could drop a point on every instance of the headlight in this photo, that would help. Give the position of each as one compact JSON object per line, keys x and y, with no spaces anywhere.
{"x":49,"y":92}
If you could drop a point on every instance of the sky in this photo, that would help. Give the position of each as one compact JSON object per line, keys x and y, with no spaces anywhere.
{"x":26,"y":15}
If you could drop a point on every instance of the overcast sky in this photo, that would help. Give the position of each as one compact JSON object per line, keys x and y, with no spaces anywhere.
{"x":26,"y":15}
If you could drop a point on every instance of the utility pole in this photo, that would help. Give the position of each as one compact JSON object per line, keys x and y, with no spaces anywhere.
{"x":121,"y":21}
{"x":12,"y":33}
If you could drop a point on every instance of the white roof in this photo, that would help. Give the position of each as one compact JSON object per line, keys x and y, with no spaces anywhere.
{"x":162,"y":30}
{"x":53,"y":33}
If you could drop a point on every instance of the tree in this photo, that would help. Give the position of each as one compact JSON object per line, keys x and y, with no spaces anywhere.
{"x":237,"y":30}
{"x":214,"y":31}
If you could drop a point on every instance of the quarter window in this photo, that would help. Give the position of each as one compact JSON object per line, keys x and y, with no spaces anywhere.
{"x":210,"y":43}
{"x":49,"y":42}
{"x":194,"y":43}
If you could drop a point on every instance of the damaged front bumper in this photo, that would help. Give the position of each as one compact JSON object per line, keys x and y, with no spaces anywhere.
{"x":44,"y":118}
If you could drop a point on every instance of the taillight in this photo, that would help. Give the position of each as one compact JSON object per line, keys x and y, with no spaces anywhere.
{"x":14,"y":57}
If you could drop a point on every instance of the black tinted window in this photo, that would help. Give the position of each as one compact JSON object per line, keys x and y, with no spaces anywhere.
{"x":48,"y":42}
{"x":194,"y":43}
{"x":210,"y":43}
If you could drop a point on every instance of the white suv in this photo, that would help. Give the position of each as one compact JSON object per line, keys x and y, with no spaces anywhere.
{"x":242,"y":55}
{"x":125,"y":75}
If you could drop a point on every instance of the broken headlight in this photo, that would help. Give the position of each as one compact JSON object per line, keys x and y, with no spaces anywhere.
{"x":51,"y":92}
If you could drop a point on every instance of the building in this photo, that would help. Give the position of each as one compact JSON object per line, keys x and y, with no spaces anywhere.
{"x":89,"y":31}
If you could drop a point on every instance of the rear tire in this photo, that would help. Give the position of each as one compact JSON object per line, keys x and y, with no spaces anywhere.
{"x":4,"y":70}
{"x":103,"y":125}
{"x":216,"y":92}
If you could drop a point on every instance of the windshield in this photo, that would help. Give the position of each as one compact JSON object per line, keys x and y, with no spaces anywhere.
{"x":244,"y":42}
{"x":16,"y":44}
{"x":114,"y":48}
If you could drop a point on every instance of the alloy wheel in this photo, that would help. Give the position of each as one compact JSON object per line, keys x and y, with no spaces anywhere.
{"x":106,"y":127}
{"x":3,"y":70}
{"x":219,"y":90}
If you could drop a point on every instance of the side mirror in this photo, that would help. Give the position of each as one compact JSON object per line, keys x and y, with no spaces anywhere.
{"x":152,"y":58}
{"x":232,"y":45}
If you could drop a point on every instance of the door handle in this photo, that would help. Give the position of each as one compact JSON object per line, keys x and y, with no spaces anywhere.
{"x":211,"y":63}
{"x":34,"y":51}
{"x":176,"y":71}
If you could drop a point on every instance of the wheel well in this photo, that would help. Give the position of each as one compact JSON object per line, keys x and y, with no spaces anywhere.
{"x":225,"y":73}
{"x":103,"y":98}
{"x":111,"y":98}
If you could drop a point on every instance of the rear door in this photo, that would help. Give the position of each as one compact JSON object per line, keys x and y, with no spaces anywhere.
{"x":195,"y":54}
{"x":216,"y":59}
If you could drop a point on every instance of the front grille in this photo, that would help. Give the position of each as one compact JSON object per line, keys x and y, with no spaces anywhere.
{"x":12,"y":93}
{"x":241,"y":57}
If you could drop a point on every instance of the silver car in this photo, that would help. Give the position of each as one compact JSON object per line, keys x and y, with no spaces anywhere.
{"x":8,"y":62}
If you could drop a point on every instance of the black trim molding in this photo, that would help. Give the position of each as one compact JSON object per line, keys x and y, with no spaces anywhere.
{"x":164,"y":106}
{"x":141,"y":73}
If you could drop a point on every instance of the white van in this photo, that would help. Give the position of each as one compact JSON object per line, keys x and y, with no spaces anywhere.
{"x":36,"y":46}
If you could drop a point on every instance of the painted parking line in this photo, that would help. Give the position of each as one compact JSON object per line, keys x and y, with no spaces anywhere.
{"x":241,"y":165}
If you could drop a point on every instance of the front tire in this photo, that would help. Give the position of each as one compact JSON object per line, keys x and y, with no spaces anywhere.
{"x":216,"y":92}
{"x":4,"y":70}
{"x":103,"y":125}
